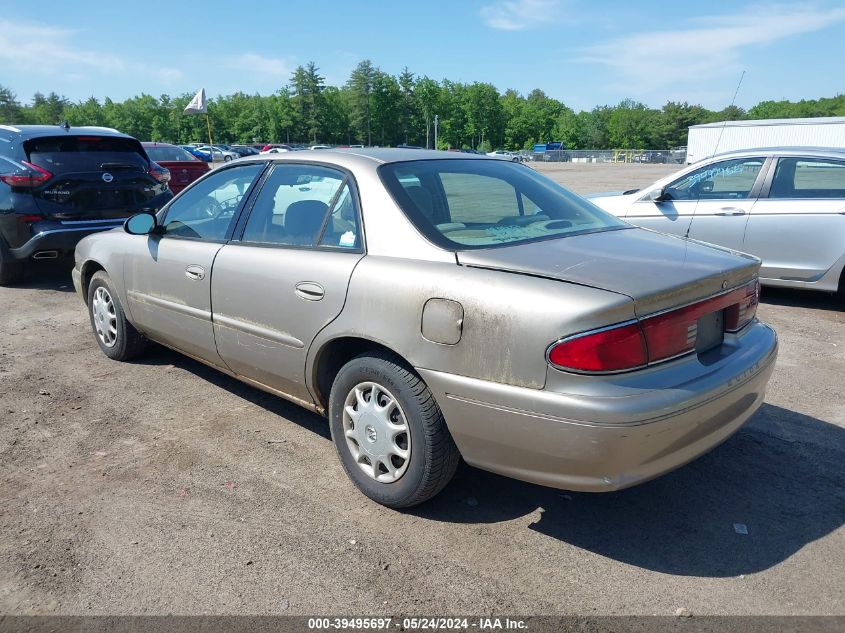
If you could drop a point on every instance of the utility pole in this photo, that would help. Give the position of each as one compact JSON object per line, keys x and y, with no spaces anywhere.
{"x":436,"y":119}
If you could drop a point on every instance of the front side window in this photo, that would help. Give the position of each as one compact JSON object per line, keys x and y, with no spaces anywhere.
{"x":205,"y":211}
{"x":808,"y":178}
{"x":725,"y":180}
{"x":169,"y":153}
{"x":472,"y":203}
{"x":304,"y":205}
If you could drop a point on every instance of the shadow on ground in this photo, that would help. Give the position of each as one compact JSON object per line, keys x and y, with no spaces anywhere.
{"x":48,"y":275}
{"x":781,"y":476}
{"x":803,"y":299}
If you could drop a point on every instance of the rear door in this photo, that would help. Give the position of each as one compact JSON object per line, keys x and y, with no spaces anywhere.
{"x":797,"y":226}
{"x":168,"y":275}
{"x":94,"y":177}
{"x":279,"y":283}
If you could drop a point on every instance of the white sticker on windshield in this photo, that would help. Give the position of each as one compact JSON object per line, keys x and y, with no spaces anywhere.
{"x":347,"y":239}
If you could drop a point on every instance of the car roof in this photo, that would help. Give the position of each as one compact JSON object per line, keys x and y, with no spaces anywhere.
{"x":830,"y":152}
{"x":380,"y":155}
{"x":25,"y":132}
{"x":157,"y":144}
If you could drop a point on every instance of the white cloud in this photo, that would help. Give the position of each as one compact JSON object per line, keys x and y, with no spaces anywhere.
{"x":710,"y":49}
{"x":39,"y":49}
{"x":260,"y":65}
{"x":518,"y":15}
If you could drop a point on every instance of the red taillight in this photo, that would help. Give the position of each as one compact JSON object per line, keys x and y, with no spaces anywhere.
{"x":615,"y":349}
{"x":653,"y":339}
{"x":159,"y":173}
{"x":739,"y":315}
{"x":32,"y":176}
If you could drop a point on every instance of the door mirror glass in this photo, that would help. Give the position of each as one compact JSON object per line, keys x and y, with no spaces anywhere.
{"x":140,"y":224}
{"x":657,"y":195}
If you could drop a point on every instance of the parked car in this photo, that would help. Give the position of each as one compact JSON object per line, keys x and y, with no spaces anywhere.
{"x":243,"y":150}
{"x":276,"y":150}
{"x":320,"y":147}
{"x":60,"y":183}
{"x":183,"y":167}
{"x":193,"y":151}
{"x":407,"y":296}
{"x":784,"y":205}
{"x":506,"y":155}
{"x":276,"y":146}
{"x":219,"y":154}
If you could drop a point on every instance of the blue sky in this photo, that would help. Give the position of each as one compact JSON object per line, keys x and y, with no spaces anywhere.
{"x":583,"y":52}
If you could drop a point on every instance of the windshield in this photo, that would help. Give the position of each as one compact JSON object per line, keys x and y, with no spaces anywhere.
{"x":460,"y":204}
{"x":169,"y":154}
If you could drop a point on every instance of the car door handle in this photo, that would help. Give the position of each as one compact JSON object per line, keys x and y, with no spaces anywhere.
{"x":194,"y":272}
{"x":730,"y":211}
{"x":309,"y":291}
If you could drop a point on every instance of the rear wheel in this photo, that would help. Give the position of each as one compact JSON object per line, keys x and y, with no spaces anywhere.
{"x":389,"y":433}
{"x":116,"y":336}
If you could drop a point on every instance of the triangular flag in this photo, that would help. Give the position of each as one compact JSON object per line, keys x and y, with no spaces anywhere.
{"x":198,"y":104}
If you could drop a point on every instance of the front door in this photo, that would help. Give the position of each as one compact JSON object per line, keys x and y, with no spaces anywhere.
{"x":168,"y":274}
{"x":280,"y":282}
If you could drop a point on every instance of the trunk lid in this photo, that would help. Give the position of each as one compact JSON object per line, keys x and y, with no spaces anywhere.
{"x":657,"y":271}
{"x":94,"y":177}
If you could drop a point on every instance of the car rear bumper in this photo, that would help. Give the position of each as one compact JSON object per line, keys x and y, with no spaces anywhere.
{"x":58,"y":238}
{"x":598,"y":441}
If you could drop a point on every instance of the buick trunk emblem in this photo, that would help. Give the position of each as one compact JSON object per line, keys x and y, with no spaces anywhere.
{"x":107,"y":177}
{"x":724,"y":284}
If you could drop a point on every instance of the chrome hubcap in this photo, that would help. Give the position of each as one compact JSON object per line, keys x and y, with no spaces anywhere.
{"x":105,"y":319}
{"x":377,"y":432}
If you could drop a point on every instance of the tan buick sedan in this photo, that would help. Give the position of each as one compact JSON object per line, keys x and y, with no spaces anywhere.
{"x":437,"y":307}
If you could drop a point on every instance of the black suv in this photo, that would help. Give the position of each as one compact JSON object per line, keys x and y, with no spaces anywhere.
{"x":60,"y":183}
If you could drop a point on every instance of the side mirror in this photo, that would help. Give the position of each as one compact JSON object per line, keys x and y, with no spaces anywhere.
{"x":140,"y":224}
{"x":657,"y":195}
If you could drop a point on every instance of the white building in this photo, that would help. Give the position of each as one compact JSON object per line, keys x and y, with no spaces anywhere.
{"x":712,"y":138}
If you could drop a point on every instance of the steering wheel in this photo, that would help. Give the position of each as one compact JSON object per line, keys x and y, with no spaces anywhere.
{"x":211,"y":207}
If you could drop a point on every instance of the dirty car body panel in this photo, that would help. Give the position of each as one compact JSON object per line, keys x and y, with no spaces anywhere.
{"x":407,"y":258}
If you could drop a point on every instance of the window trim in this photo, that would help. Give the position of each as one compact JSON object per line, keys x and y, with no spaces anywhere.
{"x":348,"y":179}
{"x":161,"y":216}
{"x":756,"y":188}
{"x":767,"y":186}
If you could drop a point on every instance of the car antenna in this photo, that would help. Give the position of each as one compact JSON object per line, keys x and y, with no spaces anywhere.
{"x":716,"y":148}
{"x":65,"y":126}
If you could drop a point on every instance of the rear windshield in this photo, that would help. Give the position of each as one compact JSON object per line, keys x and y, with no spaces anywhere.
{"x":169,"y":154}
{"x":63,"y":154}
{"x":472,"y":203}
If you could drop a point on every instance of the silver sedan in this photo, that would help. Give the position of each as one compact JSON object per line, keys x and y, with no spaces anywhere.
{"x":784,"y":205}
{"x":436,"y":307}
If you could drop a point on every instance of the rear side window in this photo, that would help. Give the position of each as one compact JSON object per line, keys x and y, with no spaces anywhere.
{"x":808,"y":178}
{"x":64,"y":154}
{"x":304,"y":205}
{"x":165,"y":154}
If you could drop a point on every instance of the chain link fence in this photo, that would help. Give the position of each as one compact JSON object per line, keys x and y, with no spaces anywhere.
{"x":649,"y":156}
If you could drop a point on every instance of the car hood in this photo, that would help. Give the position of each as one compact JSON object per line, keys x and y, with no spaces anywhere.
{"x":657,"y":271}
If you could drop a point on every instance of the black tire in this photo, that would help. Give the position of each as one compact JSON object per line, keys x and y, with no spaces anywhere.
{"x":128,"y":342}
{"x":226,"y":159}
{"x":433,"y":456}
{"x":11,"y":271}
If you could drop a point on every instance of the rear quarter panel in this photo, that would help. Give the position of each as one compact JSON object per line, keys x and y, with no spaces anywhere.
{"x":509,"y":319}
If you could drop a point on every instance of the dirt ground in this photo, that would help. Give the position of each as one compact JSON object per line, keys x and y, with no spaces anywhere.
{"x":161,"y":486}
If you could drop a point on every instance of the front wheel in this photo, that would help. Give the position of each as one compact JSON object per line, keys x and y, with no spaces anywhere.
{"x":226,"y":159}
{"x":116,"y":336}
{"x":389,"y":433}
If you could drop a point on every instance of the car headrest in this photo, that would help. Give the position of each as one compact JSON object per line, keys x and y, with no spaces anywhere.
{"x":305,"y":217}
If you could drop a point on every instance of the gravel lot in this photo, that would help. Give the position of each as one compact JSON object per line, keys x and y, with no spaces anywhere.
{"x":161,"y":486}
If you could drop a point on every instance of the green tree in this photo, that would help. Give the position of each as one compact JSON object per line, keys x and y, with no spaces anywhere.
{"x":360,"y":85}
{"x":307,"y":85}
{"x":10,"y":109}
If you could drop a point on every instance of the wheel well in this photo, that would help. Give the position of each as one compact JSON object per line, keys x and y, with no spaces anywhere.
{"x":88,"y":270}
{"x":334,"y":355}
